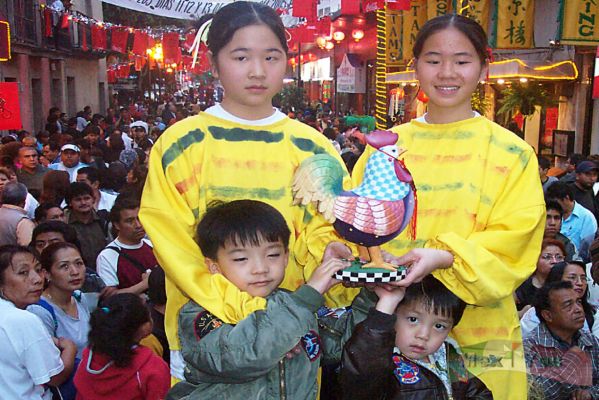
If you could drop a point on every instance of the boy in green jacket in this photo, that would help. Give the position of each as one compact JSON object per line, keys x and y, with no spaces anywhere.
{"x":273,"y":353}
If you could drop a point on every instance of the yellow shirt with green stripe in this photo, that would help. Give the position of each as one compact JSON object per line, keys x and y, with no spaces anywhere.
{"x":205,"y":158}
{"x":480,"y":198}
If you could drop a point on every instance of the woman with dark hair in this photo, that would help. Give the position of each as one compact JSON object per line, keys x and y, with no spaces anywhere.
{"x":61,"y":307}
{"x":55,"y":186}
{"x":552,"y":252}
{"x":575,"y":273}
{"x":30,"y":359}
{"x":115,"y":366}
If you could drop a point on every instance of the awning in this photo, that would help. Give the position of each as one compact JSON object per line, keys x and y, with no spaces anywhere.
{"x":509,"y":69}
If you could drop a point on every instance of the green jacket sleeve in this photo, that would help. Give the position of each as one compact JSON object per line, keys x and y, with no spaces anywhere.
{"x":248,"y":350}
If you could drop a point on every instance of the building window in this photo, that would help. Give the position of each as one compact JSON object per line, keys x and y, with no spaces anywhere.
{"x":24,"y":21}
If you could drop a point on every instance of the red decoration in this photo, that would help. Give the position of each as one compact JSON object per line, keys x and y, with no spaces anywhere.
{"x":350,"y":7}
{"x":83,"y":37}
{"x":4,"y":41}
{"x":111,"y":76}
{"x":64,"y":21}
{"x":47,"y":22}
{"x":98,"y":37}
{"x":398,"y":5}
{"x":10,"y":111}
{"x":140,"y":43}
{"x":123,"y":71}
{"x":120,"y":35}
{"x":422,"y":96}
{"x":171,"y":48}
{"x":304,"y":8}
{"x":596,"y":78}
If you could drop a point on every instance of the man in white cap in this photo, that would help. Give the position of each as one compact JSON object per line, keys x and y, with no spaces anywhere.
{"x":139,"y":132}
{"x":69,"y":161}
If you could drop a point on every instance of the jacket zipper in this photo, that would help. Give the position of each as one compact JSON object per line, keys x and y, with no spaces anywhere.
{"x":282,"y":380}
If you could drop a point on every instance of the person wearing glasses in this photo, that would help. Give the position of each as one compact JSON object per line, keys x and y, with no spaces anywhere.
{"x":575,"y":273}
{"x":552,"y":252}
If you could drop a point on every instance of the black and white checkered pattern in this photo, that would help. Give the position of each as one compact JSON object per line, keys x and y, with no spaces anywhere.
{"x":371,"y":277}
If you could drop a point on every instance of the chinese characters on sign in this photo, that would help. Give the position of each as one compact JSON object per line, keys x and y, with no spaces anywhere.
{"x":580,"y":22}
{"x":478,"y":10}
{"x":515,"y":24}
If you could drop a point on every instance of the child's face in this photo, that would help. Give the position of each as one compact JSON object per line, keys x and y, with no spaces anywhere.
{"x":420,"y":333}
{"x":257,"y":270}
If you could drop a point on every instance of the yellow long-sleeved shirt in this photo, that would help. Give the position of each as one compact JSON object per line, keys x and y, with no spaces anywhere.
{"x":206,"y":158}
{"x":479,"y":197}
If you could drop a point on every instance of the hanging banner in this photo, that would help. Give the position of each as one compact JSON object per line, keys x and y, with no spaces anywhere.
{"x":580,"y":22}
{"x":4,"y":41}
{"x":515,"y":24}
{"x":478,"y":10}
{"x":596,"y":78}
{"x":192,"y":10}
{"x":412,"y":20}
{"x":436,"y":8}
{"x":10,"y":111}
{"x":393,"y":48}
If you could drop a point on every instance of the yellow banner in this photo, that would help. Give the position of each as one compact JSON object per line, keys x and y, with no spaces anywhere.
{"x":478,"y":10}
{"x":436,"y":8}
{"x":515,"y":24}
{"x":580,"y":22}
{"x":413,"y":19}
{"x":394,"y":48}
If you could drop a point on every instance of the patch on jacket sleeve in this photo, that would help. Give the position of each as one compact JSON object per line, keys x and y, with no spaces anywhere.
{"x":324,"y":312}
{"x":204,"y":323}
{"x":405,"y":371}
{"x":311,"y":345}
{"x":456,"y":366}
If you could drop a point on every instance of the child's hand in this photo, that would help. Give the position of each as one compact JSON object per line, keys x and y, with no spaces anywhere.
{"x":389,"y":297}
{"x":336,"y":250}
{"x":322,"y":277}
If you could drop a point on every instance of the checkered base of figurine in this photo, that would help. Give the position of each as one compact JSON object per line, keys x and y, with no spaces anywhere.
{"x":355,"y":273}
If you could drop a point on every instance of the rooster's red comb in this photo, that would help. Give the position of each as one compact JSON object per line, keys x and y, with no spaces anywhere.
{"x":378,"y":139}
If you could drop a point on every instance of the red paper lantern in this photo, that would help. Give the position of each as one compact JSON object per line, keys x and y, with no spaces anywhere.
{"x":422,"y":96}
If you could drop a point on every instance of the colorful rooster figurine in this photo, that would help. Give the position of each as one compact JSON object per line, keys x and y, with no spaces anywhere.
{"x":371,"y":214}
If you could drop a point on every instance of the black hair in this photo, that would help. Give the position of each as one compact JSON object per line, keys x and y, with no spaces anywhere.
{"x":575,"y":158}
{"x":556,"y":274}
{"x":543,"y":162}
{"x":470,"y":28}
{"x":114,"y":326}
{"x":554,"y":205}
{"x":93,"y":175}
{"x":68,"y":232}
{"x":559,"y":191}
{"x":47,"y":256}
{"x":78,"y":189}
{"x":436,"y":298}
{"x":240,"y":222}
{"x":7,"y":253}
{"x":541,"y":301}
{"x":53,"y":145}
{"x":156,"y":287}
{"x":238,"y":15}
{"x":93,"y":129}
{"x":122,"y":203}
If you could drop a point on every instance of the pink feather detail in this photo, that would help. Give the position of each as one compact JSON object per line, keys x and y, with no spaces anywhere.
{"x":378,"y":217}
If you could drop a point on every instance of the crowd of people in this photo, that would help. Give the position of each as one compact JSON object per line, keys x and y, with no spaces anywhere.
{"x":230,"y":293}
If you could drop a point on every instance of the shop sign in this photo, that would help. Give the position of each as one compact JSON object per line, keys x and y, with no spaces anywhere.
{"x":316,"y":70}
{"x":10,"y":110}
{"x":580,"y":22}
{"x":4,"y":41}
{"x":413,"y":19}
{"x":515,"y":24}
{"x":436,"y":8}
{"x":478,"y":10}
{"x":394,"y":49}
{"x":351,"y":77}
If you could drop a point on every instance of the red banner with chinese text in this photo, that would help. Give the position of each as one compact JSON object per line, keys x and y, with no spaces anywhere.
{"x":350,"y":7}
{"x":140,"y":43}
{"x":171,"y":48}
{"x":120,"y":36}
{"x":10,"y":110}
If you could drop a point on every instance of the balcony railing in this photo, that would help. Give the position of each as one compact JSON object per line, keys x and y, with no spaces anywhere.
{"x":25,"y":21}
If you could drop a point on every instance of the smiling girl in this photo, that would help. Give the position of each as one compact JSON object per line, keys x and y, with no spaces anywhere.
{"x":481,"y":209}
{"x":242,"y":148}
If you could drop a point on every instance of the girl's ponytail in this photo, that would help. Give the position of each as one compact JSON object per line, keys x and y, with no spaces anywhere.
{"x":114,"y":327}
